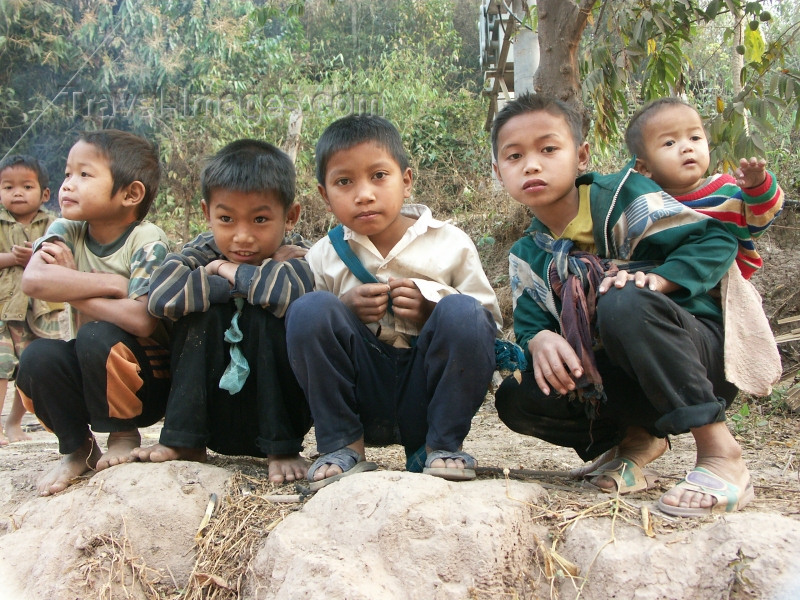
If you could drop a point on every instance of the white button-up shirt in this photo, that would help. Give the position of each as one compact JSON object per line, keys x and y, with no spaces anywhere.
{"x":439,"y":257}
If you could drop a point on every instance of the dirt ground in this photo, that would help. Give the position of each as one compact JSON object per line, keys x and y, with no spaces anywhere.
{"x":768,"y":432}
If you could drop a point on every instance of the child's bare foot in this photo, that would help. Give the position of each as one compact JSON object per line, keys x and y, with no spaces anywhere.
{"x":14,"y":429}
{"x":15,"y":433}
{"x":3,"y":439}
{"x":287,"y":467}
{"x":70,"y":466}
{"x":120,"y":445}
{"x":161,"y":453}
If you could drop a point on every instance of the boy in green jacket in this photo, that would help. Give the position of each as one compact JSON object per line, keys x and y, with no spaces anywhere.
{"x":611,"y":303}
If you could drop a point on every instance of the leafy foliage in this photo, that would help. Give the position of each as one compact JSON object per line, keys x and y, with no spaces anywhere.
{"x":638,"y":51}
{"x":193,"y":75}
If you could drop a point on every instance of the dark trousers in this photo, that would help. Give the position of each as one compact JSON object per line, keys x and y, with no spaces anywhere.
{"x":358,"y":386}
{"x":268,"y":416}
{"x":105,"y":378}
{"x":662,"y":369}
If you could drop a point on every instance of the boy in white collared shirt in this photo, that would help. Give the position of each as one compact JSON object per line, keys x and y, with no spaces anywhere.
{"x":403,"y":353}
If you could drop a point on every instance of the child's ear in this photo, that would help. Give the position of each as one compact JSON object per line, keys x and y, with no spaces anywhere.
{"x":292,"y":216}
{"x":641,"y":167}
{"x":204,"y":206}
{"x":583,"y":157}
{"x":408,"y":181}
{"x":45,"y":195}
{"x":324,"y":193}
{"x":134,"y":194}
{"x":496,"y":170}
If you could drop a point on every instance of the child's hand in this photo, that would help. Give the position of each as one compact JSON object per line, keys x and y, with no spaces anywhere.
{"x":22,"y":253}
{"x":288,"y":252}
{"x":368,"y":301}
{"x":554,"y":362}
{"x":408,"y":302}
{"x":654,"y":282}
{"x":58,"y":253}
{"x":751,"y":173}
{"x":223,"y":268}
{"x":212,"y":268}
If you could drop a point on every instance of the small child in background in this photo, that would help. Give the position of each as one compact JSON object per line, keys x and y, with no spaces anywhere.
{"x":397,"y":343}
{"x":113,"y":377}
{"x":669,"y":142}
{"x":23,"y":190}
{"x":233,"y":390}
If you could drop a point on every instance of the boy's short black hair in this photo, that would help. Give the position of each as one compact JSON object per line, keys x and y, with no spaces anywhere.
{"x":130,"y":158}
{"x":527,"y":103}
{"x":634,"y":134}
{"x":28,"y":162}
{"x":250,"y":166}
{"x":356,"y":129}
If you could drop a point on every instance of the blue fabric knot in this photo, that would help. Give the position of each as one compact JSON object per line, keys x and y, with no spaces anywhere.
{"x":237,"y":370}
{"x":509,"y":356}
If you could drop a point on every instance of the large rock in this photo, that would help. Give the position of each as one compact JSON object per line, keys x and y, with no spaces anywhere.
{"x":400,"y":536}
{"x":62,"y":547}
{"x":743,"y":555}
{"x":386,"y":535}
{"x":397,"y":535}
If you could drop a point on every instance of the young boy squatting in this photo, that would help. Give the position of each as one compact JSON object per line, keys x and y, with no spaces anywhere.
{"x":660,"y":369}
{"x":407,"y":359}
{"x":244,"y":269}
{"x":114,"y":376}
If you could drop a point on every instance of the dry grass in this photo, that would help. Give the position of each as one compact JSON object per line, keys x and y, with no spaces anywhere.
{"x":234,"y":534}
{"x":112,"y":570}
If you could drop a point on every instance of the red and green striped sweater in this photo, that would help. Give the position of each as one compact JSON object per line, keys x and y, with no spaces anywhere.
{"x":746,"y":212}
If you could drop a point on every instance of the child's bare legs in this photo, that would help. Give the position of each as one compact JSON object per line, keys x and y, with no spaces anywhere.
{"x":120,"y":445}
{"x":719,"y":452}
{"x":162,"y":453}
{"x":69,"y":467}
{"x":326,"y":471}
{"x":291,"y":467}
{"x":638,"y":445}
{"x":3,"y":390}
{"x":13,"y":429}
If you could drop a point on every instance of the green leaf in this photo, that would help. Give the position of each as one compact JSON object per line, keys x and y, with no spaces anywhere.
{"x":753,"y":45}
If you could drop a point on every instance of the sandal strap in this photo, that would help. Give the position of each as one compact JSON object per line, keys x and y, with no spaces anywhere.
{"x":469,"y":461}
{"x":344,"y":458}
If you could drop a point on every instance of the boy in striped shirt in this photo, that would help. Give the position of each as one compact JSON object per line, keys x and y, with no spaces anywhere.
{"x":670,"y":145}
{"x":227,"y":291}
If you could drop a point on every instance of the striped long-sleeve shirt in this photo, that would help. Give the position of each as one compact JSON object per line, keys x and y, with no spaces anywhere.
{"x":746,"y":212}
{"x":181,"y":285}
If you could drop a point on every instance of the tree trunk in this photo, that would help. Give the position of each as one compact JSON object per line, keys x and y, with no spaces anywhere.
{"x":561,"y":24}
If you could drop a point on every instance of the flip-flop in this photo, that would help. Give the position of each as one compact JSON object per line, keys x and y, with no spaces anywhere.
{"x":628,"y":476}
{"x":729,"y":496}
{"x":450,"y":473}
{"x":347,"y":459}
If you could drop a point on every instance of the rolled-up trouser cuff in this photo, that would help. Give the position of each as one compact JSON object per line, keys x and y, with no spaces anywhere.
{"x":682,"y":419}
{"x":180,"y":439}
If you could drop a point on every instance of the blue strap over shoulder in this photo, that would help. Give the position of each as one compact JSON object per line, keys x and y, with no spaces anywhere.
{"x":349,"y":258}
